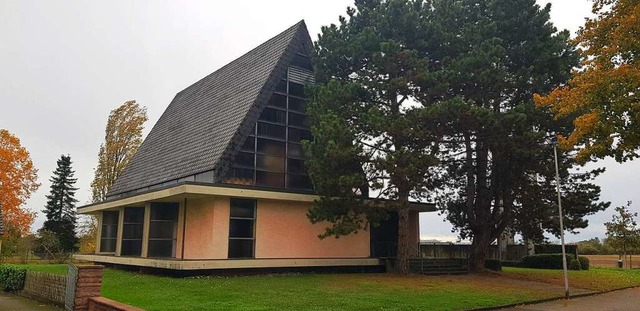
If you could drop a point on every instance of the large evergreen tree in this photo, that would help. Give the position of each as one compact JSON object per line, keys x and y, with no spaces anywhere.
{"x":364,"y":129}
{"x":493,"y":56}
{"x":61,"y":205}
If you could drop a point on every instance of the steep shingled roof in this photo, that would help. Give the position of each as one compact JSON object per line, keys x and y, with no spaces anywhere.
{"x":200,"y":130}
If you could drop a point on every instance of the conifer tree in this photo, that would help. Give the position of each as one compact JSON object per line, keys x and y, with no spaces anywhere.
{"x":61,"y":205}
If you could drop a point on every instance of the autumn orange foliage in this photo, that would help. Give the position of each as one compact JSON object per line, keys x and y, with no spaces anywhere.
{"x":603,"y":97}
{"x":18,"y":180}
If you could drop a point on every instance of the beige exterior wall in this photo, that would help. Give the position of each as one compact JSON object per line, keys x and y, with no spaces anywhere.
{"x":284,"y":231}
{"x":207,"y":228}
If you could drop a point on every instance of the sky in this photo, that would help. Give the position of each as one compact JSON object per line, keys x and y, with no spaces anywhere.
{"x":65,"y":64}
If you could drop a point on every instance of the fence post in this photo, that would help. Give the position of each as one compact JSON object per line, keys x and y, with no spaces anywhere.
{"x":83,"y":282}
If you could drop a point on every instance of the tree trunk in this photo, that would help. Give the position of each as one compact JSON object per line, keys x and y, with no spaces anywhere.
{"x":402,"y":265}
{"x":479,"y":250}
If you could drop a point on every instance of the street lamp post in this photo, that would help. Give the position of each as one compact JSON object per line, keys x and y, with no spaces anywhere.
{"x":564,"y":253}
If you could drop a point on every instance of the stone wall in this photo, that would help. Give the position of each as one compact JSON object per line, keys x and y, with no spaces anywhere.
{"x":45,"y":287}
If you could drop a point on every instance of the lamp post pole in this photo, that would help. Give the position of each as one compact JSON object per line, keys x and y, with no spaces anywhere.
{"x":564,"y":253}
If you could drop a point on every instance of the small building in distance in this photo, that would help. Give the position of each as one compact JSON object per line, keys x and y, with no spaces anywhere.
{"x":220,"y":181}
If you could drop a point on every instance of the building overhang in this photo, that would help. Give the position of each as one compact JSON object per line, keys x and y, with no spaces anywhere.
{"x":192,"y":190}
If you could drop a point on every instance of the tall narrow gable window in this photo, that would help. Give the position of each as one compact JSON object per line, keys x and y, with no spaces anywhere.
{"x":109,"y":231}
{"x":242,"y":216}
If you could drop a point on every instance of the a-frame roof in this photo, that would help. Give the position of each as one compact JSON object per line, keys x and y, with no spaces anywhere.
{"x":202,"y":127}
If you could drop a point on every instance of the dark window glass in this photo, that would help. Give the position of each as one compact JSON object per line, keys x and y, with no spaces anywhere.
{"x":271,"y":130}
{"x":240,"y":248}
{"x":109,"y":234}
{"x":296,"y":89}
{"x":240,"y":176}
{"x":272,"y":147}
{"x":270,"y":163}
{"x":132,"y":231}
{"x":296,"y":166}
{"x":269,"y":179}
{"x":295,"y":150}
{"x":243,"y":208}
{"x":297,"y":135}
{"x":282,"y":86}
{"x":295,"y":181}
{"x":278,"y":100}
{"x":161,"y":248}
{"x":249,"y":144}
{"x":274,"y":115}
{"x":299,"y":120}
{"x":302,"y":62}
{"x":241,"y":228}
{"x":297,"y":104}
{"x":244,"y":159}
{"x":163,"y":227}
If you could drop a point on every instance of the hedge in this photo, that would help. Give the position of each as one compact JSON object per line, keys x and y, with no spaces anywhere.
{"x":544,"y":261}
{"x":493,"y":265}
{"x":584,"y":262}
{"x":574,"y":264}
{"x":12,"y":278}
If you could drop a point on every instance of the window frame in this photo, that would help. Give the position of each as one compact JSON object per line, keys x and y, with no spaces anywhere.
{"x":253,"y":229}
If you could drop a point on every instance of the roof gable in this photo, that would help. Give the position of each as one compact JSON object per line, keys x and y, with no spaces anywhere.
{"x":200,"y":128}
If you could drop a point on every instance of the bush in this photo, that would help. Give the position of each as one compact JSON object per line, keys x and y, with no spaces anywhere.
{"x":510,"y":263}
{"x":493,"y":265}
{"x":574,"y":264}
{"x":12,"y":278}
{"x":544,"y":261}
{"x":584,"y":262}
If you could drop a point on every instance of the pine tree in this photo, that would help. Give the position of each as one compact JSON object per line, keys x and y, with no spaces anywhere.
{"x":61,"y":205}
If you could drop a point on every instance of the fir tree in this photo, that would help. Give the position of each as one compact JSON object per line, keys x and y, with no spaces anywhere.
{"x":61,"y":205}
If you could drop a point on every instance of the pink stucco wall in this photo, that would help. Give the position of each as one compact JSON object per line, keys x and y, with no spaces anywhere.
{"x":207,"y":229}
{"x":283,"y":231}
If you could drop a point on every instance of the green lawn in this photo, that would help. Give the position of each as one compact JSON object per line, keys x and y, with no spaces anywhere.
{"x":345,"y":291}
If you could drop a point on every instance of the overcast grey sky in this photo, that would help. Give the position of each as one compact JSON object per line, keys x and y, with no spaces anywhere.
{"x":65,"y":64}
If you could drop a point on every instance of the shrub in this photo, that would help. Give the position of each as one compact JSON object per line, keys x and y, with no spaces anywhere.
{"x":584,"y":262}
{"x":574,"y":264}
{"x":544,"y":261}
{"x":12,"y":278}
{"x":493,"y":265}
{"x":510,"y":263}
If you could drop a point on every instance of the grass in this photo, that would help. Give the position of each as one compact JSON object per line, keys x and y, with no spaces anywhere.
{"x":346,"y":291}
{"x":595,"y":279}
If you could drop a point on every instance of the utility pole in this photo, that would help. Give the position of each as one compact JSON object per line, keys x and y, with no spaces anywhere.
{"x":564,"y":253}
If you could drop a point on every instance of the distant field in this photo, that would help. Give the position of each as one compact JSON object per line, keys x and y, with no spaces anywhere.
{"x":609,"y":261}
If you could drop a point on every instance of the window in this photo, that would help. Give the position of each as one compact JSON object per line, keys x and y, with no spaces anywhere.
{"x":282,"y":87}
{"x":295,"y":151}
{"x":269,"y":179}
{"x":249,"y":144}
{"x":302,"y":62}
{"x":296,"y":181}
{"x":299,"y":120}
{"x":132,"y":231}
{"x":296,"y":89}
{"x":244,"y":159}
{"x":240,"y":176}
{"x":296,"y":135}
{"x":271,"y":130}
{"x":163,"y":228}
{"x":273,"y":147}
{"x":274,"y":115}
{"x":278,"y":100}
{"x":242,"y":217}
{"x":109,"y":232}
{"x":297,"y":104}
{"x":269,"y":163}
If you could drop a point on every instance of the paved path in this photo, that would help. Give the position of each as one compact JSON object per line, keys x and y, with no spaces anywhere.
{"x":622,"y":300}
{"x":10,"y":302}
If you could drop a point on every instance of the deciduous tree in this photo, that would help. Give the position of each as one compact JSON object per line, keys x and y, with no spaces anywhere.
{"x":622,"y":232}
{"x":61,"y":205}
{"x":123,"y":136}
{"x":18,"y":180}
{"x":603,"y":97}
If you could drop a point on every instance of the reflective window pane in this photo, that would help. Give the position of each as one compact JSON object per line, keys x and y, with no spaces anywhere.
{"x":296,"y":89}
{"x":271,"y":147}
{"x":161,"y":248}
{"x":243,"y":208}
{"x":240,"y":248}
{"x":299,"y":120}
{"x":271,"y":130}
{"x":298,"y":135}
{"x":294,"y":151}
{"x":240,"y":176}
{"x":270,"y":163}
{"x":244,"y":159}
{"x":297,"y":104}
{"x":302,"y":182}
{"x":269,"y":179}
{"x":282,"y":86}
{"x":278,"y":100}
{"x":296,"y":166}
{"x":274,"y":115}
{"x":164,"y":211}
